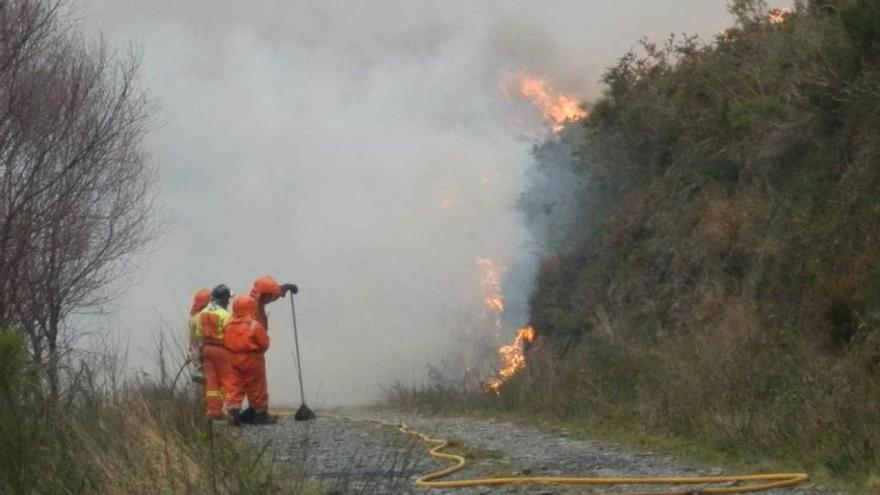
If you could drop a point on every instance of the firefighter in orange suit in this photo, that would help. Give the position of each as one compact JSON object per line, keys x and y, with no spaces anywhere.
{"x":247,"y":341}
{"x":201,"y":299}
{"x":267,"y":290}
{"x":215,"y":358}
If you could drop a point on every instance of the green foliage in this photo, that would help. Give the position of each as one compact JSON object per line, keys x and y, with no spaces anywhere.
{"x":748,"y":12}
{"x":748,"y":112}
{"x":724,"y":171}
{"x":861,"y":18}
{"x":843,"y":322}
{"x":18,"y":443}
{"x":12,"y":363}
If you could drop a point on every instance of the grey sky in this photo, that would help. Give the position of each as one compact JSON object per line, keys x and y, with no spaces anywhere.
{"x":314,"y":141}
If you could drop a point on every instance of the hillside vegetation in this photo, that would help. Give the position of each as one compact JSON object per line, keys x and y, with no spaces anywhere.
{"x":715,"y":279}
{"x":725,"y":283}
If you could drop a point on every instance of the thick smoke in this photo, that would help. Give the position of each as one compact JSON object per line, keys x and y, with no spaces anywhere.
{"x":362,"y":150}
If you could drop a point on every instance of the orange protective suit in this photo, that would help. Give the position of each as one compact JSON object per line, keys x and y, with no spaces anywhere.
{"x":215,"y":357}
{"x":246,"y":340}
{"x":265,"y":290}
{"x":200,"y":300}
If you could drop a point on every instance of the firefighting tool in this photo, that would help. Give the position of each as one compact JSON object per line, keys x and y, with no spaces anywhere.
{"x":303,"y":413}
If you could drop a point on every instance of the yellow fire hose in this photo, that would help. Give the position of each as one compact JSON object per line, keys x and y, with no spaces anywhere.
{"x":759,"y":482}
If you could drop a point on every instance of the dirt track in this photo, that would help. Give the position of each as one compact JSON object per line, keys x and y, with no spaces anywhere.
{"x":346,"y":455}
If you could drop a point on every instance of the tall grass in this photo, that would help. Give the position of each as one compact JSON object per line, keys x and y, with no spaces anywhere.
{"x":729,"y":392}
{"x":141,"y":438}
{"x":734,"y":388}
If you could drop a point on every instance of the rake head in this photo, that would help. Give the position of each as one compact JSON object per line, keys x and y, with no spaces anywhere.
{"x":304,"y":414}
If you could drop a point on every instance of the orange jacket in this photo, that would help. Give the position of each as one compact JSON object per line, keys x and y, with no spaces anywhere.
{"x":265,"y":286}
{"x":244,"y":332}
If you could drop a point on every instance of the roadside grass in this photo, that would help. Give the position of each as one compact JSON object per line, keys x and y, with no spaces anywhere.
{"x":140,"y":438}
{"x":550,"y":398}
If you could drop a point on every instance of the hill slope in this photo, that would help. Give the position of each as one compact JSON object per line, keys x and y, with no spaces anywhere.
{"x":724,"y":283}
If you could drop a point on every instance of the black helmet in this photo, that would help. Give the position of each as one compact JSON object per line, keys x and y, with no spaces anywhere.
{"x":221,"y":293}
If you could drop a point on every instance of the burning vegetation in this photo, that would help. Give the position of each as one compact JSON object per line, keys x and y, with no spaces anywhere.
{"x":557,"y":108}
{"x":778,"y":16}
{"x":493,"y":301}
{"x":511,"y":356}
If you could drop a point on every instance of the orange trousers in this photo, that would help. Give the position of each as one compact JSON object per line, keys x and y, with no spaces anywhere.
{"x":215,"y":362}
{"x":247,"y":378}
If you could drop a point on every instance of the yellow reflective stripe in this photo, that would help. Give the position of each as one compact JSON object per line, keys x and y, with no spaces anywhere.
{"x":214,"y":393}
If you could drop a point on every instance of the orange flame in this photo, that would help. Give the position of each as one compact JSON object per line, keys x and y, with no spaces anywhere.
{"x":491,"y":283}
{"x":778,"y":16}
{"x":513,"y":358}
{"x":558,"y":109}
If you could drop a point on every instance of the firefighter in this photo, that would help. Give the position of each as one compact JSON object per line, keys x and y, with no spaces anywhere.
{"x":247,"y":341}
{"x":201,"y":299}
{"x":267,"y":290}
{"x":215,"y":358}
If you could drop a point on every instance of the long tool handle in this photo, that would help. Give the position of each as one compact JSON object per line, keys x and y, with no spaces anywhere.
{"x":299,"y":370}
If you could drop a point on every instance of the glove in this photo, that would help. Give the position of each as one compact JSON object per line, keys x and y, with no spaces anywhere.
{"x":292,"y":288}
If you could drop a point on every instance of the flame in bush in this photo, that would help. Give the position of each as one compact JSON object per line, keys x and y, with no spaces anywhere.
{"x":491,"y":284}
{"x":558,"y":108}
{"x":778,"y":16}
{"x":513,"y":358}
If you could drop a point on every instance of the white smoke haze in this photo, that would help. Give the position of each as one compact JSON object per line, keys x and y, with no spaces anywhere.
{"x":362,"y":150}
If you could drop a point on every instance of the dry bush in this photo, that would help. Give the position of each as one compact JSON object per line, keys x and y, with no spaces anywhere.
{"x":723,"y":220}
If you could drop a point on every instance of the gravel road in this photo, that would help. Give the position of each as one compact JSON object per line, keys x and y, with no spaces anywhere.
{"x":346,"y":454}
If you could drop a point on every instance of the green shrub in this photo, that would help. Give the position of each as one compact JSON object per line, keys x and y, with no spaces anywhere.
{"x":725,"y":171}
{"x":861,"y":18}
{"x":751,"y":111}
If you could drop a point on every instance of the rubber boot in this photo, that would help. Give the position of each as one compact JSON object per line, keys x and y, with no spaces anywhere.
{"x":247,"y":416}
{"x":233,"y":419}
{"x":265,"y":419}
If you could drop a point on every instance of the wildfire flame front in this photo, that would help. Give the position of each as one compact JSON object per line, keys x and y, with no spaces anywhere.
{"x":557,"y":108}
{"x":778,"y":16}
{"x":513,"y":358}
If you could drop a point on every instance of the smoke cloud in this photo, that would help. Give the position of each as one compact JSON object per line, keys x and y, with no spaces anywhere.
{"x":363,"y":150}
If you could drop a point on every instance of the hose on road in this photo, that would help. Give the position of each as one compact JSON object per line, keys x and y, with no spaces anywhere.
{"x":755,"y":482}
